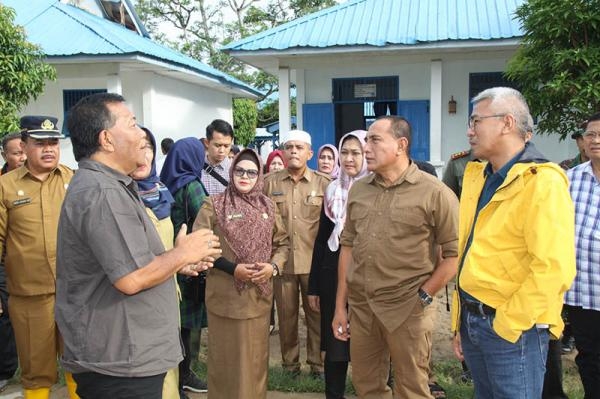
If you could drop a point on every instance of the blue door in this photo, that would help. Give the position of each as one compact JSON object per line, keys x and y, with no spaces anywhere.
{"x":417,"y":113}
{"x":318,"y":121}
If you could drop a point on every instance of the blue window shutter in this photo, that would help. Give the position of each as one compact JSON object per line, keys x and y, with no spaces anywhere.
{"x":319,"y":122}
{"x":417,"y":114}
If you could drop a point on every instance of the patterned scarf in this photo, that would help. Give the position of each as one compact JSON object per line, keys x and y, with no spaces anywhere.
{"x":336,"y":194}
{"x":247,"y":222}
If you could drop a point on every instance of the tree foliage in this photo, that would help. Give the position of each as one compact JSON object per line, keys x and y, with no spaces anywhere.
{"x":558,"y":63}
{"x":22,"y":70}
{"x":203,"y":26}
{"x":245,"y":117}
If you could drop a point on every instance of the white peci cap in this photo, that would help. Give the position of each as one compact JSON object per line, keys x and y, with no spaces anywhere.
{"x":296,"y":135}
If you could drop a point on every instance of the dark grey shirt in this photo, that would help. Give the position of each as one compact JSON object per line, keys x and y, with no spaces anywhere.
{"x":104,"y":234}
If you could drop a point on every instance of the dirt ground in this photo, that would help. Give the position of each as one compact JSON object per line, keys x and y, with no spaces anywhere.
{"x":442,"y":349}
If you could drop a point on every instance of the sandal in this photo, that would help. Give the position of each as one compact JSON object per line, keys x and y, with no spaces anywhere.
{"x":437,"y":391}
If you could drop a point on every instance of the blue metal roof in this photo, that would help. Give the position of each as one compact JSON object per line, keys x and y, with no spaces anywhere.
{"x":391,"y":22}
{"x":63,"y":30}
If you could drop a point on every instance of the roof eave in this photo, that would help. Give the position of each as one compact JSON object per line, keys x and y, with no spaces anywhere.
{"x":164,"y":68}
{"x":268,"y":59}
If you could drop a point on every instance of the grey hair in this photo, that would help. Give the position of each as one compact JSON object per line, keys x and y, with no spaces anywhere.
{"x":511,"y":101}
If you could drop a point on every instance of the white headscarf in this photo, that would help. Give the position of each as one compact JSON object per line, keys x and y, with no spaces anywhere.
{"x":336,"y":194}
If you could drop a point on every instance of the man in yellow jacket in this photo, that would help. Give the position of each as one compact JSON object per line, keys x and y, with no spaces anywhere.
{"x":516,"y":251}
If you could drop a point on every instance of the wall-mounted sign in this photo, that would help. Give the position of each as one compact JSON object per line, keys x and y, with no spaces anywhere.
{"x":365,"y":90}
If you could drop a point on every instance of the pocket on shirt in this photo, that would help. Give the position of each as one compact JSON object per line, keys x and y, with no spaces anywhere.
{"x":409,"y":218}
{"x":281,"y":205}
{"x":311,"y":208}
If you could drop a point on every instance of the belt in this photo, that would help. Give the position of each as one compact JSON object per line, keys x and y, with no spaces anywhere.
{"x":479,"y":308}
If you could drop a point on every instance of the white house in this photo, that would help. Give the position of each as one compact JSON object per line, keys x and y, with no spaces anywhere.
{"x":101,"y":45}
{"x":416,"y":58}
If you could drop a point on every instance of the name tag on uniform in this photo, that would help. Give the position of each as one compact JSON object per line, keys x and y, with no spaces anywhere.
{"x":276,"y":193}
{"x":235,"y":216}
{"x":22,"y":201}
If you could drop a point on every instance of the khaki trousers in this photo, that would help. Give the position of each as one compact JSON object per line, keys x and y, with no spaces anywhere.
{"x":287,"y":290}
{"x":409,"y":347}
{"x":37,"y":338}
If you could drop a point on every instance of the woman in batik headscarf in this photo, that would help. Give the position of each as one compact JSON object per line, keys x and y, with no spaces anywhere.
{"x":322,"y":282}
{"x":239,"y":289}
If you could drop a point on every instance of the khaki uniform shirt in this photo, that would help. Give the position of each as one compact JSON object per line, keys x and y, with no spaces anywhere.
{"x":222,"y":298}
{"x":29,"y":212}
{"x":394,"y":232}
{"x":300,"y":207}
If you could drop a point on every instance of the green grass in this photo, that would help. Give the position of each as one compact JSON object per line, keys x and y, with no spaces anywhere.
{"x":447,"y":375}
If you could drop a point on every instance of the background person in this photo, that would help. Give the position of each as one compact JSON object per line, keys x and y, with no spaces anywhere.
{"x":323,"y":279}
{"x":328,"y":160}
{"x":582,"y":301}
{"x":218,"y":142}
{"x":12,"y":152}
{"x":298,"y":193}
{"x":275,"y":161}
{"x":182,"y":175}
{"x":14,"y":157}
{"x":30,"y":201}
{"x":239,"y":290}
{"x":157,"y":199}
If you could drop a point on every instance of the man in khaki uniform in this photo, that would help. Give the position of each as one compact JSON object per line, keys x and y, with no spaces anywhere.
{"x":298,"y":192}
{"x":397,"y":218}
{"x":30,"y":201}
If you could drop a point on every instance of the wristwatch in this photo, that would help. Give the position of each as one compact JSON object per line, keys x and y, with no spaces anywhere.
{"x":425,"y":298}
{"x":275,"y":269}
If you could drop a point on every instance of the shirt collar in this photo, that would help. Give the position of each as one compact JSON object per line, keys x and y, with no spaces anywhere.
{"x":89,"y":164}
{"x":503,"y":171}
{"x":223,"y":165}
{"x":308,"y":174}
{"x":23,"y":171}
{"x":411,"y":175}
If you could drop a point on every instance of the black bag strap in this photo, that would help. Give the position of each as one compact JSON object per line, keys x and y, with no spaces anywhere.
{"x":211,"y":171}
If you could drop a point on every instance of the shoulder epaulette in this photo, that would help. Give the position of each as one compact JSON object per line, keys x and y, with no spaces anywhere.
{"x":459,"y":155}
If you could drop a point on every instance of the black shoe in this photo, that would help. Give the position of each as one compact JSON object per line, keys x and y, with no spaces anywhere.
{"x":568,"y":346}
{"x":191,"y":382}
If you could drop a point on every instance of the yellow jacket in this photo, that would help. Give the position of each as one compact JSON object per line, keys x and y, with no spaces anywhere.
{"x":522,"y":257}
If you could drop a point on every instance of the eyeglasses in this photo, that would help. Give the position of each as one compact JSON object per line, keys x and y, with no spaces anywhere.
{"x":251,"y":173}
{"x":591,"y":135}
{"x":474,"y":120}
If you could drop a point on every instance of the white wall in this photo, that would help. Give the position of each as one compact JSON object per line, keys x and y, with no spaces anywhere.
{"x":167,"y":106}
{"x":414,"y":81}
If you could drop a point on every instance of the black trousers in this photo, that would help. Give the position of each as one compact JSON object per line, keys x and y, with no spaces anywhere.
{"x":8,"y":348}
{"x":185,"y":364}
{"x":100,"y":386}
{"x":335,"y":379}
{"x":553,"y":388}
{"x":586,"y":330}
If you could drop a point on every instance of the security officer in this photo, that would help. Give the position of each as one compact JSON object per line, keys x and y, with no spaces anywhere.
{"x":453,"y":175}
{"x":30,"y":200}
{"x":298,"y":192}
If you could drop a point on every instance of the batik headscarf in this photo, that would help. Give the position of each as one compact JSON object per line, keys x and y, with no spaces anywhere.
{"x":336,"y":159}
{"x":183,"y":164}
{"x":247,"y":220}
{"x":155,"y":194}
{"x":336,"y":194}
{"x":271,"y":156}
